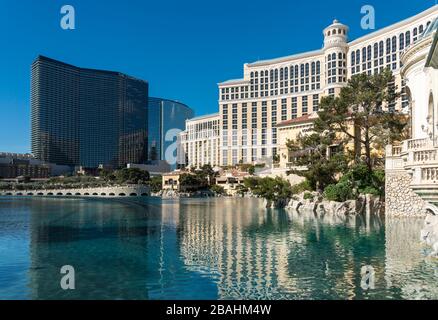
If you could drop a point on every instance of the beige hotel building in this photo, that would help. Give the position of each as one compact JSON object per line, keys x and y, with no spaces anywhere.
{"x":272,"y":92}
{"x":199,"y":144}
{"x":276,"y":90}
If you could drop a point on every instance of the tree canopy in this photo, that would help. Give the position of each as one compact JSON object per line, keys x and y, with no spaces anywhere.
{"x":363,"y":114}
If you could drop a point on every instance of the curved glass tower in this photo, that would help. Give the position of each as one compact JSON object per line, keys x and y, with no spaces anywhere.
{"x":165,"y":116}
{"x":87,"y":117}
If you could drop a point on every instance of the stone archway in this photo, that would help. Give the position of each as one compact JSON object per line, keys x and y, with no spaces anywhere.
{"x":431,"y":209}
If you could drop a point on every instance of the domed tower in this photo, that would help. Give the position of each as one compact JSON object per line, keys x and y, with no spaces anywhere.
{"x":335,"y":52}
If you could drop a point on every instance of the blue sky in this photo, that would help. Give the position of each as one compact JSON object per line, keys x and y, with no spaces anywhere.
{"x":183,"y":48}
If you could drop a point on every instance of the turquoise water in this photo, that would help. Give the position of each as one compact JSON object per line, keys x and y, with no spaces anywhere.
{"x":204,"y":249}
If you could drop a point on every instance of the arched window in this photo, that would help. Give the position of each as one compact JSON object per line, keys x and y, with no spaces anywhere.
{"x":318,"y":67}
{"x":415,"y":33}
{"x":328,"y":33}
{"x":420,"y":29}
{"x":333,"y":56}
{"x":394,"y":44}
{"x":381,"y":49}
{"x":252,"y":74}
{"x":334,"y":31}
{"x":313,"y":68}
{"x":307,"y":69}
{"x":340,"y":55}
{"x":376,"y":50}
{"x":353,"y":58}
{"x":286,"y":73}
{"x":408,"y":38}
{"x":401,"y":41}
{"x":364,"y":54}
{"x":388,"y":46}
{"x":357,"y":56}
{"x":369,"y":53}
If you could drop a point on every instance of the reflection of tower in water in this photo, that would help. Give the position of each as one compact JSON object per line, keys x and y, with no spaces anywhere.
{"x":102,"y":240}
{"x":218,"y":239}
{"x":406,"y":260}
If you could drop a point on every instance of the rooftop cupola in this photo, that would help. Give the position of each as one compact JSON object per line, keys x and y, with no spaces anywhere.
{"x":335,"y":35}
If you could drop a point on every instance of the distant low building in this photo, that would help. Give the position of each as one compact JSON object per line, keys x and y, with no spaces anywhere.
{"x":155,"y":168}
{"x":171,"y":180}
{"x":231,"y":181}
{"x":14,"y":165}
{"x":291,"y":130}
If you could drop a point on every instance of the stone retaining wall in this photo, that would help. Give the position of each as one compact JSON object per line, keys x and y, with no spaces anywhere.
{"x":400,"y":199}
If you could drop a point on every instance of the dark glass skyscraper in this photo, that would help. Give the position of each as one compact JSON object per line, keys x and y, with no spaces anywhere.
{"x":87,"y":117}
{"x":164,"y":115}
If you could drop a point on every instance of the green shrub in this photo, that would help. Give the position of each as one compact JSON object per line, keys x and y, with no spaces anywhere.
{"x":360,"y":178}
{"x":156,"y":183}
{"x":339,"y":192}
{"x":271,"y":189}
{"x":217,"y":189}
{"x":308,"y":196}
{"x":370,"y":190}
{"x":301,"y":187}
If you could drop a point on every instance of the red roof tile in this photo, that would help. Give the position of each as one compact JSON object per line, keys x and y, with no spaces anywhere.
{"x":306,"y":118}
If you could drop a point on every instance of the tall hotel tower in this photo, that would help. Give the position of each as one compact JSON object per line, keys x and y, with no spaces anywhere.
{"x":87,"y":117}
{"x":273,"y":91}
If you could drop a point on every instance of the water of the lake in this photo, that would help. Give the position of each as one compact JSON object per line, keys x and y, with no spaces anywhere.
{"x":204,"y":249}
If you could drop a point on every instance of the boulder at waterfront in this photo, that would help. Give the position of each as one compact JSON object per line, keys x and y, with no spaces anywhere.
{"x":365,"y":204}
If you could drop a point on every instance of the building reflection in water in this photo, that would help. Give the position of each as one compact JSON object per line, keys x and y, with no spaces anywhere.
{"x":257,"y":253}
{"x":219,"y":249}
{"x":408,"y":269}
{"x":100,"y":239}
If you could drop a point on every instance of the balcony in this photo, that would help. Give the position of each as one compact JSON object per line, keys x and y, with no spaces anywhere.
{"x":418,"y":157}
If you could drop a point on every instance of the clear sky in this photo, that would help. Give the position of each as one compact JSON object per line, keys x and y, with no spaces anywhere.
{"x":182,"y":47}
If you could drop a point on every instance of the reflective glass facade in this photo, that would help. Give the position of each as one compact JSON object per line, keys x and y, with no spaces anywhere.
{"x":164,"y":115}
{"x":87,"y":117}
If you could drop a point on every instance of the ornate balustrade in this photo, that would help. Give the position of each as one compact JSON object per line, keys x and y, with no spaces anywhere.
{"x":425,"y":156}
{"x":396,"y":150}
{"x":429,"y":175}
{"x":414,"y":144}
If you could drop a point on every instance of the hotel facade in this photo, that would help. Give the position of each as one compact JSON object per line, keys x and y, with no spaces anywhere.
{"x":87,"y":117}
{"x":281,"y":89}
{"x":199,"y":144}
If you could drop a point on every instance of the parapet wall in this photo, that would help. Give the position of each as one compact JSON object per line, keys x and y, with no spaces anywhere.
{"x":125,"y":191}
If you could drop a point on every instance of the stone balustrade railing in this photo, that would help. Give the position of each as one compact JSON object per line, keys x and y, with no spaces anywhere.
{"x":425,"y":156}
{"x":414,"y":144}
{"x":396,"y":150}
{"x":429,"y":175}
